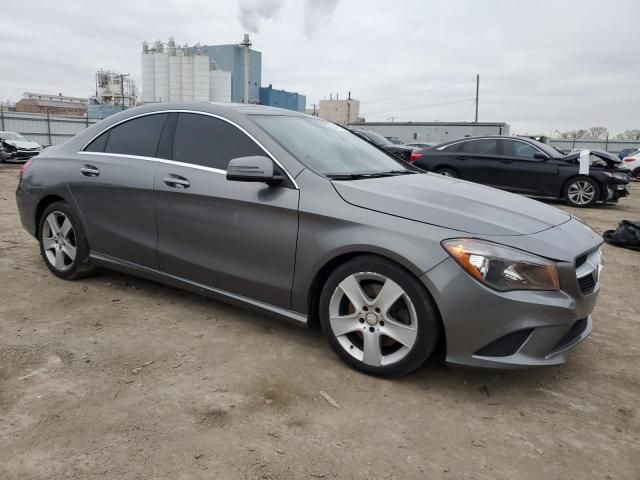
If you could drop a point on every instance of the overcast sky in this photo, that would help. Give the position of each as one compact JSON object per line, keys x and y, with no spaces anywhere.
{"x":543,"y":65}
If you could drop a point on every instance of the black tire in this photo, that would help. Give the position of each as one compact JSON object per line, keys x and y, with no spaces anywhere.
{"x":635,"y":174}
{"x":81,"y":265}
{"x":427,"y":316}
{"x":582,"y":179}
{"x":447,"y":172}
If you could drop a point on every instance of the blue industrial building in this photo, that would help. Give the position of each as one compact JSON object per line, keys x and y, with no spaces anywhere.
{"x":231,"y":59}
{"x":283,"y":99}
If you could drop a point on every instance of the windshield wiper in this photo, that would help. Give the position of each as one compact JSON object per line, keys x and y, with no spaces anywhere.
{"x":362,"y":175}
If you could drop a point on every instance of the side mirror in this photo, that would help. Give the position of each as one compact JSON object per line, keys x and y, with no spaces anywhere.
{"x":540,"y":156}
{"x":253,"y":169}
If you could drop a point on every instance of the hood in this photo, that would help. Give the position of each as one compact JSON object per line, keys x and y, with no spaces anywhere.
{"x":21,"y":144}
{"x":401,"y":148}
{"x":451,"y":203}
{"x":608,"y":158}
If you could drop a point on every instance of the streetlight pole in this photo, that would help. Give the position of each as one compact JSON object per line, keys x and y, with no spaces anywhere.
{"x":477,"y":94}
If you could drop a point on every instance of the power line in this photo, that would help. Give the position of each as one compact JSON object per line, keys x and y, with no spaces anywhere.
{"x":468,"y":111}
{"x":38,"y":61}
{"x":422,"y":106}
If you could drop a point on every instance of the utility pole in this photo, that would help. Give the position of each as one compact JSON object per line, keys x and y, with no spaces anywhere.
{"x":392,"y":119}
{"x":477,"y":94}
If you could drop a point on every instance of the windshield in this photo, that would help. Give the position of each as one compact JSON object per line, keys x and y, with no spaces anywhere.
{"x":327,"y":148}
{"x":13,"y":136}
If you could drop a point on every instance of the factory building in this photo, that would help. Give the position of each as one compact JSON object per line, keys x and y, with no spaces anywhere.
{"x":52,"y":104}
{"x":338,"y":111}
{"x":243,"y":62}
{"x":114,"y":92}
{"x":181,"y":74}
{"x":282,"y":99}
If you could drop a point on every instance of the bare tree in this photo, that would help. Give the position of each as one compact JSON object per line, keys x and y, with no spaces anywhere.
{"x":629,"y":135}
{"x":598,"y":132}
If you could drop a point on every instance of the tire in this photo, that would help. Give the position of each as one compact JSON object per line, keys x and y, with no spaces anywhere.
{"x":635,"y":174}
{"x":65,"y":251}
{"x":581,"y":192}
{"x":362,"y":331}
{"x":447,"y":172}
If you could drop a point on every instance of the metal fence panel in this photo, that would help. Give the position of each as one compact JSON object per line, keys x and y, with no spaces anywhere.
{"x":42,"y":128}
{"x":613,"y":146}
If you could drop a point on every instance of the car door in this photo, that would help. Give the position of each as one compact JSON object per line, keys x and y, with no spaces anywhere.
{"x":239,"y":237}
{"x":477,"y":160}
{"x":112,"y":185}
{"x":522,"y":172}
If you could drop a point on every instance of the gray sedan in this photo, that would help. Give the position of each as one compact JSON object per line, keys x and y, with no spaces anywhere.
{"x":296,"y":217}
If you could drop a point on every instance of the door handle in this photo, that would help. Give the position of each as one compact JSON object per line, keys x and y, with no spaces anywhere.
{"x":461,"y":157}
{"x":176,"y":181}
{"x":506,"y":160}
{"x":90,"y":171}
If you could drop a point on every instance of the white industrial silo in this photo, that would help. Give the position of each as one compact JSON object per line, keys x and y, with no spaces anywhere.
{"x":148,"y":74}
{"x":200,"y":78}
{"x":161,"y":74}
{"x":175,"y":71}
{"x":219,"y":86}
{"x":187,"y":78}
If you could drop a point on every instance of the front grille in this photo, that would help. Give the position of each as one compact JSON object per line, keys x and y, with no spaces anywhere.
{"x":587,"y":283}
{"x":572,"y":334}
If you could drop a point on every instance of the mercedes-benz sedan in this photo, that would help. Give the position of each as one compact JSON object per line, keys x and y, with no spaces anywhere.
{"x":302,"y":219}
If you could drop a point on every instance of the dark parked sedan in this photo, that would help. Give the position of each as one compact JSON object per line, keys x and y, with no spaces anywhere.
{"x":403,"y":151}
{"x":297,"y":217}
{"x":526,"y":166}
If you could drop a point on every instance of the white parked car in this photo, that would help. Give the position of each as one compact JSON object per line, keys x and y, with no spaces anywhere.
{"x":17,"y":147}
{"x":631,"y":163}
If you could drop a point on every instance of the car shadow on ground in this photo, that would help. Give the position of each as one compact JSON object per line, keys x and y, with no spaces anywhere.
{"x":434,"y":374}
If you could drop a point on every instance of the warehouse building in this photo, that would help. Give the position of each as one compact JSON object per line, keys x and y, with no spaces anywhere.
{"x":283,"y":99}
{"x":433,"y":132}
{"x":52,"y":104}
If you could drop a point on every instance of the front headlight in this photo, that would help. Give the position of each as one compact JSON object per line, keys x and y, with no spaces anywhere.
{"x":503,"y":268}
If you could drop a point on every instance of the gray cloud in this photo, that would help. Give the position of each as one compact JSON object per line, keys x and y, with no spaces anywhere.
{"x":557,"y":65}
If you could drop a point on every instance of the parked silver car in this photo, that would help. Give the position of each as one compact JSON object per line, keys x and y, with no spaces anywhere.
{"x":299,"y":218}
{"x":16,"y":147}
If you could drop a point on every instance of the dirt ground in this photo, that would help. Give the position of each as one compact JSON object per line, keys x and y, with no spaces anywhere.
{"x":117,"y":377}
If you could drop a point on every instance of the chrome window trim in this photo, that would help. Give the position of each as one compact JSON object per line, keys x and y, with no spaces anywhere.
{"x":463,"y":140}
{"x":173,"y":162}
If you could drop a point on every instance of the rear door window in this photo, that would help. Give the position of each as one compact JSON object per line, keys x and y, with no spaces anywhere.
{"x":138,"y":137}
{"x":487,"y":146}
{"x":210,"y":142}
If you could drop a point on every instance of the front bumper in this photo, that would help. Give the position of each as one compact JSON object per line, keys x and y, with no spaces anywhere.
{"x":487,"y":328}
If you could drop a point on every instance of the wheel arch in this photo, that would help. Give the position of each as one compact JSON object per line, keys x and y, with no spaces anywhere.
{"x":601,"y":187}
{"x":325,"y":270}
{"x":42,"y":206}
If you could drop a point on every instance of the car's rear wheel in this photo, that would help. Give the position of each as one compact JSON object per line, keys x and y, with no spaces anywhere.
{"x":63,"y":244}
{"x":581,"y":192}
{"x":447,"y":172}
{"x":378,"y":317}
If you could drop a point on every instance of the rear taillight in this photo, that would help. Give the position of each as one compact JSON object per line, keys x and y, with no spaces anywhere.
{"x":24,"y":167}
{"x":415,"y":156}
{"x":628,"y":159}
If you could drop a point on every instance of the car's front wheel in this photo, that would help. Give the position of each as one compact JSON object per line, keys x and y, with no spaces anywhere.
{"x":378,"y":317}
{"x":581,"y":192}
{"x":63,"y":244}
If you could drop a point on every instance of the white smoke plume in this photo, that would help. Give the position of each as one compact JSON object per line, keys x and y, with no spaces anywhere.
{"x":253,"y":12}
{"x":317,"y":13}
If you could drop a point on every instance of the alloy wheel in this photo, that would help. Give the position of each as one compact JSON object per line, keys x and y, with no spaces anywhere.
{"x":373,"y":319}
{"x":581,"y":192}
{"x":59,"y":241}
